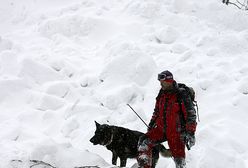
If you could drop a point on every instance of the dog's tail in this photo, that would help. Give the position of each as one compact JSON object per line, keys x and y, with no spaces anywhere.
{"x":164,"y":152}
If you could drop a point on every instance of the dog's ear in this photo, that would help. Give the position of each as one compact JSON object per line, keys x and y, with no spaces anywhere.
{"x":97,"y":124}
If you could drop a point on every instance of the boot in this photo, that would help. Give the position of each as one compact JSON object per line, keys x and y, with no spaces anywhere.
{"x":145,"y":153}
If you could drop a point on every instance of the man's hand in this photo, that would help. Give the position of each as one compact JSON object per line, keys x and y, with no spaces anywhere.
{"x":151,"y":125}
{"x":189,"y":139}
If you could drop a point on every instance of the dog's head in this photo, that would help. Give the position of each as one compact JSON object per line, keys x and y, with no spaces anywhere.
{"x":103,"y":135}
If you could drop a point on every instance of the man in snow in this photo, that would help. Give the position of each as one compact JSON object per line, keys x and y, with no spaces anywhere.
{"x":173,"y":120}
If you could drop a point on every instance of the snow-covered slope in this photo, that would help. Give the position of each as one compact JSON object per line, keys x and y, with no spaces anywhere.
{"x":64,"y":64}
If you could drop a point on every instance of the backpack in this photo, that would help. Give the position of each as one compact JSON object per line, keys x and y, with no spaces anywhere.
{"x":190,"y":91}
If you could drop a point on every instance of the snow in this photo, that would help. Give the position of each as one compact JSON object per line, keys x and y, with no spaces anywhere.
{"x":65,"y":64}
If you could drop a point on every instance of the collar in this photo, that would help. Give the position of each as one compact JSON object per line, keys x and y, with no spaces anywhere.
{"x":110,"y":141}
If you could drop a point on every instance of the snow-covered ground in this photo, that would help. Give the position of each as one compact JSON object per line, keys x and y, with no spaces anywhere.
{"x":65,"y":64}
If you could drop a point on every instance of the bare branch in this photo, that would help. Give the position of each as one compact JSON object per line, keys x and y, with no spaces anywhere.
{"x":238,"y":4}
{"x":225,"y":1}
{"x":234,"y":5}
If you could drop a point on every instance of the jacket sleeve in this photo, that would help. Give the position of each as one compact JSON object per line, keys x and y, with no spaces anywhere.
{"x":155,"y":113}
{"x":189,"y":113}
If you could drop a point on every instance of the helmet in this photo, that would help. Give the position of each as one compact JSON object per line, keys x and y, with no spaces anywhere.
{"x":165,"y":75}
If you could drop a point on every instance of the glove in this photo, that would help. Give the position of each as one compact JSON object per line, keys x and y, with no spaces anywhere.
{"x":141,"y":139}
{"x":189,"y":139}
{"x":151,"y":125}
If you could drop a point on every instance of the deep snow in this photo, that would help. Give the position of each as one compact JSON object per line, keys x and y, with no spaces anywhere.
{"x":64,"y":64}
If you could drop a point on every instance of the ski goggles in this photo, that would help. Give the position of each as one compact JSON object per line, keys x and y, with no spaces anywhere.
{"x":165,"y":77}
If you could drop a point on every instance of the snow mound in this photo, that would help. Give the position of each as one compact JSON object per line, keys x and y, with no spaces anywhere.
{"x":118,"y":95}
{"x":13,"y":90}
{"x":143,"y":9}
{"x":5,"y":44}
{"x":168,"y":35}
{"x":37,"y":72}
{"x":75,"y":26}
{"x":9,"y":64}
{"x":67,"y":26}
{"x":128,"y":65}
{"x":64,"y":155}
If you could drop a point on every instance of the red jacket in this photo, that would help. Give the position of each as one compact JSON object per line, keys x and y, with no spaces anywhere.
{"x":171,"y":117}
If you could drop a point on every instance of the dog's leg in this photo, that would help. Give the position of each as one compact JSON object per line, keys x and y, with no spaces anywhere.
{"x":114,"y":158}
{"x":123,"y":161}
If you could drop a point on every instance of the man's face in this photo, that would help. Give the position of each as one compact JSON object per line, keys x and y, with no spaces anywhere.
{"x":165,"y":85}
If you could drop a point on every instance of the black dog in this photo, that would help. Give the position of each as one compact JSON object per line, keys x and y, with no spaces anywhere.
{"x":123,"y":143}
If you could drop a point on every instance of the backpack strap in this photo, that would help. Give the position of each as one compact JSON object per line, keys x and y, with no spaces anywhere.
{"x":181,"y":115}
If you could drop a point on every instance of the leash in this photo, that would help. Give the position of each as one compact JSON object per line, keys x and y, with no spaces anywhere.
{"x":138,"y":116}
